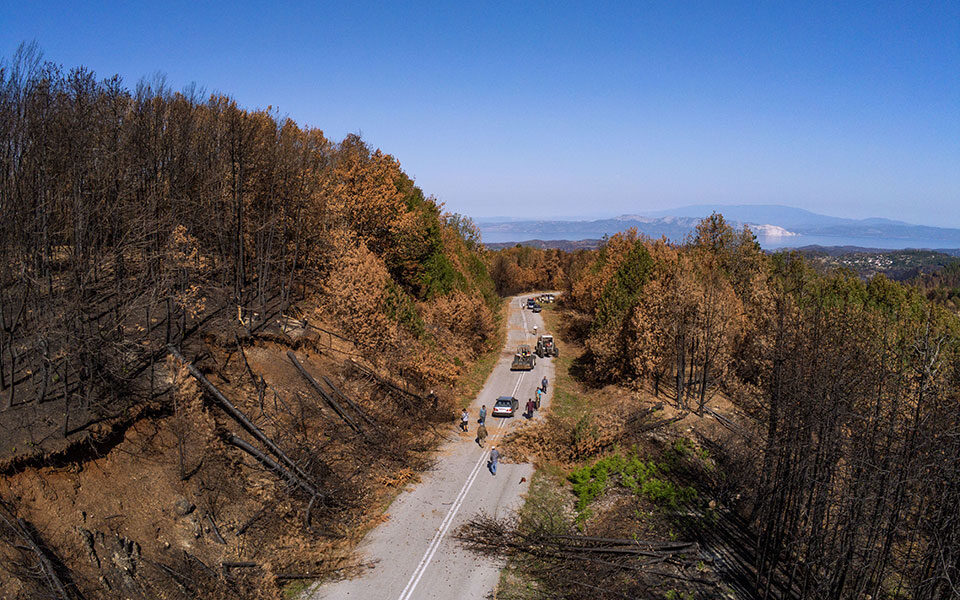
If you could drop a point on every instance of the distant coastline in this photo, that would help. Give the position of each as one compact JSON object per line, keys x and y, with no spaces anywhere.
{"x":826,"y":250}
{"x":775,"y":227}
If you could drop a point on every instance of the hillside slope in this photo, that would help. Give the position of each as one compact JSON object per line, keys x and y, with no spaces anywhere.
{"x":144,"y":223}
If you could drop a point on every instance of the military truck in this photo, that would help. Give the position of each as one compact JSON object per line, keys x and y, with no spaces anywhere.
{"x":546,"y":346}
{"x":523,"y":360}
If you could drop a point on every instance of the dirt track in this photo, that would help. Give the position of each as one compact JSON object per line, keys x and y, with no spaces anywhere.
{"x":413,"y":554}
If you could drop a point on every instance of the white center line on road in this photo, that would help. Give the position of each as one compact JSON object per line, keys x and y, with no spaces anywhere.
{"x":517,"y":387}
{"x":448,"y":519}
{"x":441,"y":531}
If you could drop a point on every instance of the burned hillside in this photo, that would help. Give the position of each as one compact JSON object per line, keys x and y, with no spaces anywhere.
{"x":218,"y":335}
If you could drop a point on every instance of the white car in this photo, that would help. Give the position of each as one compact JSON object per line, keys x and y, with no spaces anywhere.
{"x":505,"y":406}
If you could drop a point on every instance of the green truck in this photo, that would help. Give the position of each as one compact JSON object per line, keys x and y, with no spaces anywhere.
{"x":524,"y":359}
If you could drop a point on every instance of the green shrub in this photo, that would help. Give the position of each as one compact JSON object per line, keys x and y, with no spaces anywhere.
{"x":399,"y":306}
{"x":643,"y":478}
{"x":667,"y":494}
{"x":590,"y":481}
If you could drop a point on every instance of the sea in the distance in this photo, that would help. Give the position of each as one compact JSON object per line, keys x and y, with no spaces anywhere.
{"x":767,"y":243}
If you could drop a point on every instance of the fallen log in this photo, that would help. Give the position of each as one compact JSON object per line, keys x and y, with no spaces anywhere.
{"x":253,"y":377}
{"x":291,"y":576}
{"x":272,"y":465}
{"x":323,"y":394}
{"x":328,"y":332}
{"x":735,"y":428}
{"x":241,"y":418}
{"x":48,"y":572}
{"x":246,"y":564}
{"x":251,"y":521}
{"x":644,"y":412}
{"x":215,"y":529}
{"x":624,"y":541}
{"x":660,"y":423}
{"x":383,"y":381}
{"x":352,"y":404}
{"x":186,"y":584}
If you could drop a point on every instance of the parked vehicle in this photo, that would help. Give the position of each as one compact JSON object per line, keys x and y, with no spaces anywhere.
{"x":505,"y":406}
{"x":537,"y":308}
{"x":531,"y":302}
{"x":546,"y":346}
{"x":523,"y":360}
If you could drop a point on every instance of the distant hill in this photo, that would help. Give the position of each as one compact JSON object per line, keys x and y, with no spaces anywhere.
{"x":784,"y":216}
{"x":565,"y":245}
{"x":675,"y":228}
{"x":772,"y":223}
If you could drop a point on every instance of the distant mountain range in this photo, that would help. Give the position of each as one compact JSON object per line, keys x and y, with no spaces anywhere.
{"x":773,"y":225}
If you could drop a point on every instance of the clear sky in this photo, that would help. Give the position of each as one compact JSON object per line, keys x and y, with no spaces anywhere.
{"x":576,"y":109}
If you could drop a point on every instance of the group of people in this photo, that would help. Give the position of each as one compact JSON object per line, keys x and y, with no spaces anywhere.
{"x":482,"y":433}
{"x":534,"y":406}
{"x":481,"y":428}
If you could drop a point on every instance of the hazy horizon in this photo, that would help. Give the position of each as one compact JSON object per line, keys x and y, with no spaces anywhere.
{"x":485,"y":219}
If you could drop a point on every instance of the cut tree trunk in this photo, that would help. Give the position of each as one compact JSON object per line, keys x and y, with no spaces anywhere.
{"x":242,"y":419}
{"x":323,"y":394}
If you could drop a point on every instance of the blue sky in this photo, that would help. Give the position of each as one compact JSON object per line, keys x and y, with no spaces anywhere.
{"x":552,"y":110}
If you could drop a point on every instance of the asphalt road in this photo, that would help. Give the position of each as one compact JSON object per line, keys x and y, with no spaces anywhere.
{"x":413,"y":553}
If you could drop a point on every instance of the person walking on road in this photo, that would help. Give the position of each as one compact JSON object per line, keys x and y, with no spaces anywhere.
{"x":530,"y":408}
{"x":481,"y":435}
{"x":464,"y":420}
{"x":492,"y":464}
{"x":539,"y":395}
{"x":543,"y":385}
{"x":483,"y":415}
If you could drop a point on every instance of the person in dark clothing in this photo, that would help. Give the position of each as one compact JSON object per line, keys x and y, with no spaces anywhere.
{"x":481,"y":435}
{"x":530,"y":408}
{"x":543,"y":385}
{"x":494,"y":457}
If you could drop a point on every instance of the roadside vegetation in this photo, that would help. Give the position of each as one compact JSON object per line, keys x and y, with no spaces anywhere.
{"x":471,"y":381}
{"x":603,"y":489}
